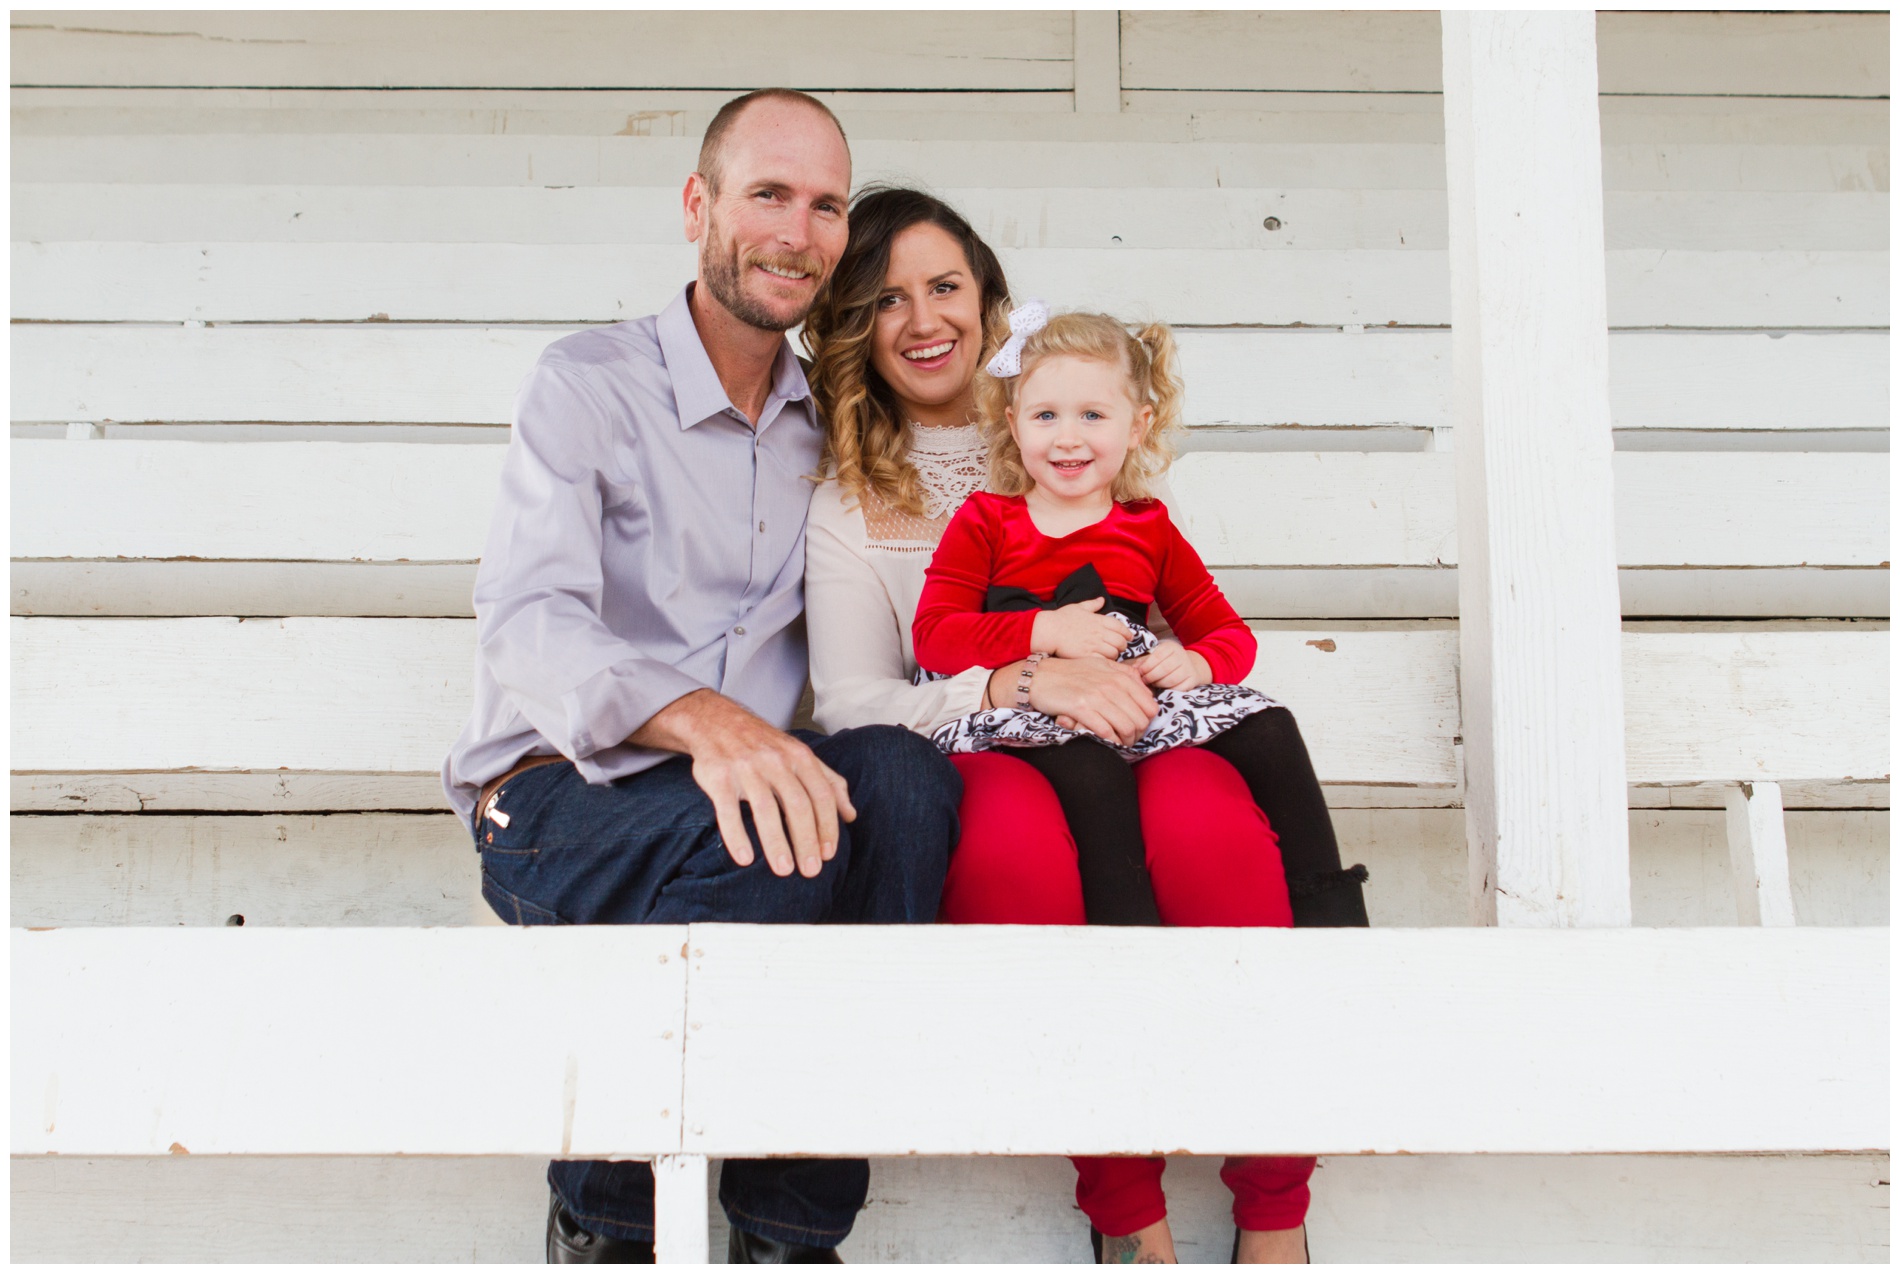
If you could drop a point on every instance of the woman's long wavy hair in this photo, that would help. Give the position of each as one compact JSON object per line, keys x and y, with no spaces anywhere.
{"x":1147,"y":356}
{"x":867,"y":442}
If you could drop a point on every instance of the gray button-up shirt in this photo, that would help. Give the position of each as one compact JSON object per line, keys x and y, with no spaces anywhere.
{"x":647,"y":542}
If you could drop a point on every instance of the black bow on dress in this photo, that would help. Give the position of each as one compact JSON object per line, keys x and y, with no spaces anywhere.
{"x":1082,"y":584}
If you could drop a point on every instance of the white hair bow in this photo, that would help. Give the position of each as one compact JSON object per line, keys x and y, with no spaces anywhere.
{"x":1024,"y":322}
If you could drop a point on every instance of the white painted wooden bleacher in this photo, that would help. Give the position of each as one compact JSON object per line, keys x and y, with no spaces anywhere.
{"x":264,"y":347}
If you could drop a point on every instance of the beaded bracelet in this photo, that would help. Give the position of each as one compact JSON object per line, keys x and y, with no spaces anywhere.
{"x":1022,"y":679}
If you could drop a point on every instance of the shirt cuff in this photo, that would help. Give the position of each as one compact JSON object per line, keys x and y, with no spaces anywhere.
{"x":616,"y":701}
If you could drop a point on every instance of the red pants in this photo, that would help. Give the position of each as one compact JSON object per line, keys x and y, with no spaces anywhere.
{"x":1213,"y":860}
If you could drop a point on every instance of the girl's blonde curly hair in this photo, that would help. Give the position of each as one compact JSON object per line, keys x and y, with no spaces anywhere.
{"x":1149,"y":358}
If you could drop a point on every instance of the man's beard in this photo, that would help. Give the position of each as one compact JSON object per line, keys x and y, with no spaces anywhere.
{"x":722,"y":269}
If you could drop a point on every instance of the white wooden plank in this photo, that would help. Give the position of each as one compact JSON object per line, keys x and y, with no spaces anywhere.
{"x":1098,"y":61}
{"x":467,"y":374}
{"x":405,"y":590}
{"x":1006,"y":218}
{"x":1830,"y":55}
{"x":1280,"y":51}
{"x":403,"y":869}
{"x":597,"y":49}
{"x":1378,"y":707}
{"x":1758,"y":855}
{"x":227,"y":694}
{"x":261,"y":1041}
{"x":1031,"y":151}
{"x":572,"y":283}
{"x":138,"y":695}
{"x":680,"y":1213}
{"x":263,"y":791}
{"x":1756,"y":706}
{"x":984,"y":1031}
{"x":1540,"y":651}
{"x":336,"y":869}
{"x":1796,"y":54}
{"x":1732,"y":1208}
{"x":423,"y":503}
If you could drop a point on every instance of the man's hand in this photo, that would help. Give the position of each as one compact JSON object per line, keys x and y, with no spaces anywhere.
{"x":1079,"y":631}
{"x":1172,"y":666}
{"x":1098,"y":695}
{"x":738,"y":757}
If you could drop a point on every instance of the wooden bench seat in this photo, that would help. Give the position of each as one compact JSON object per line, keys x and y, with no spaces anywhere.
{"x":978,"y":1039}
{"x":315,"y":528}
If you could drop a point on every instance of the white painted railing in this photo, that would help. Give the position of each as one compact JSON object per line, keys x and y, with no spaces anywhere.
{"x":727,"y":1040}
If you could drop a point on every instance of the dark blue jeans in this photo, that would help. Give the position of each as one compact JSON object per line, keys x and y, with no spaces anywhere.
{"x":645,"y":850}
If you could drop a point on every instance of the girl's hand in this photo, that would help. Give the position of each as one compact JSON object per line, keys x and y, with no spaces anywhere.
{"x":1172,"y":666}
{"x":1078,"y":631}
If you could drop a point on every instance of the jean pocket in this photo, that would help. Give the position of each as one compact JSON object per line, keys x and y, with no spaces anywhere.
{"x":513,"y":908}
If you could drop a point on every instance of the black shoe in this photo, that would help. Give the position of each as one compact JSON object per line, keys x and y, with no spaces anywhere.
{"x":1329,"y":900}
{"x":1095,"y":1242}
{"x":750,"y":1249}
{"x":1305,"y":1242}
{"x":568,"y":1244}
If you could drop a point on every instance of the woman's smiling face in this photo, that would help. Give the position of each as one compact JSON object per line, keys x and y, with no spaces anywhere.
{"x":928,"y":331}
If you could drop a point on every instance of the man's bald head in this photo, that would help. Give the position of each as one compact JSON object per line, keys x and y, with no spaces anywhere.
{"x":712,"y":146}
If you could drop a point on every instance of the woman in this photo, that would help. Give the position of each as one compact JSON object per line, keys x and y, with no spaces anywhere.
{"x":915,"y":306}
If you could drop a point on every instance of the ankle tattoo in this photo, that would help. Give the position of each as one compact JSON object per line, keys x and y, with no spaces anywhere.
{"x":1127,"y":1250}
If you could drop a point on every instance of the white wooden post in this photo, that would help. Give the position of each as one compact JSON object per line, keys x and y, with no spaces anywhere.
{"x":1098,"y":61}
{"x":1541,"y":676}
{"x":681,"y":1230}
{"x":1758,"y":854}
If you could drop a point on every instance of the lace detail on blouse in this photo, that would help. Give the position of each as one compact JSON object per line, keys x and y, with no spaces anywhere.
{"x":950,"y":464}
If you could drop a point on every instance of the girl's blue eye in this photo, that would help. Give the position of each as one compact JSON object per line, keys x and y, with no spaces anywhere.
{"x":1093,"y":415}
{"x":1045,"y":415}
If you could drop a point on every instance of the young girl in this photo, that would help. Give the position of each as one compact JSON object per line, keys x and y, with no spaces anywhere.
{"x":1065,"y":561}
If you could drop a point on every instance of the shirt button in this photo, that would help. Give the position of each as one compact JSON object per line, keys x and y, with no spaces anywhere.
{"x":761,"y":528}
{"x":739,"y":631}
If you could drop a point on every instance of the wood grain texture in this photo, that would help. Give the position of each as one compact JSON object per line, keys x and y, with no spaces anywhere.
{"x":1539,"y":652}
{"x":581,"y":283}
{"x":1765,"y":706}
{"x":1693,"y":1009}
{"x":653,"y":49}
{"x":467,"y":374}
{"x":132,"y":1041}
{"x":1767,"y":54}
{"x":1056,"y":217}
{"x":70,"y":871}
{"x":421,"y":503}
{"x":118,"y":697}
{"x":1365,"y":1208}
{"x":1758,"y":854}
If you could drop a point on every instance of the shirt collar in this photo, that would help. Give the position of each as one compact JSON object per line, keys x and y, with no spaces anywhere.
{"x":697,"y":393}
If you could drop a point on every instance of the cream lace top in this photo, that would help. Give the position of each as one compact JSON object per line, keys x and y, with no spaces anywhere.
{"x":864,"y":571}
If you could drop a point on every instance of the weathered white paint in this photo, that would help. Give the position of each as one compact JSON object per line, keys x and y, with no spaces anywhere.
{"x":577,"y":283}
{"x":1098,"y":61}
{"x":680,"y":1211}
{"x":422,"y":503}
{"x":1761,"y":706}
{"x":112,"y":1026}
{"x":268,"y":791}
{"x":1677,"y":53}
{"x":467,"y":374}
{"x":376,"y":1041}
{"x":1135,"y":217}
{"x":983,"y":1033}
{"x":1758,"y":854}
{"x":407,"y":869}
{"x":122,"y":698}
{"x":1541,"y":681}
{"x":599,"y":49}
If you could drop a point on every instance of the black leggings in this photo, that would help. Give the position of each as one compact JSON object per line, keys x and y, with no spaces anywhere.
{"x":1096,"y":789}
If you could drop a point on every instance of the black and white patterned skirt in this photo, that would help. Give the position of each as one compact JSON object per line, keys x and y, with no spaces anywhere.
{"x":1186,"y":717}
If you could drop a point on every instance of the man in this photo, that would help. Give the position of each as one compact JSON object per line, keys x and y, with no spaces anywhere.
{"x":641,"y":651}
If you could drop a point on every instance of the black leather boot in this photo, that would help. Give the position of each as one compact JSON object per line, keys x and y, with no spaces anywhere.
{"x":568,"y":1244}
{"x":750,"y":1249}
{"x":1329,"y":900}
